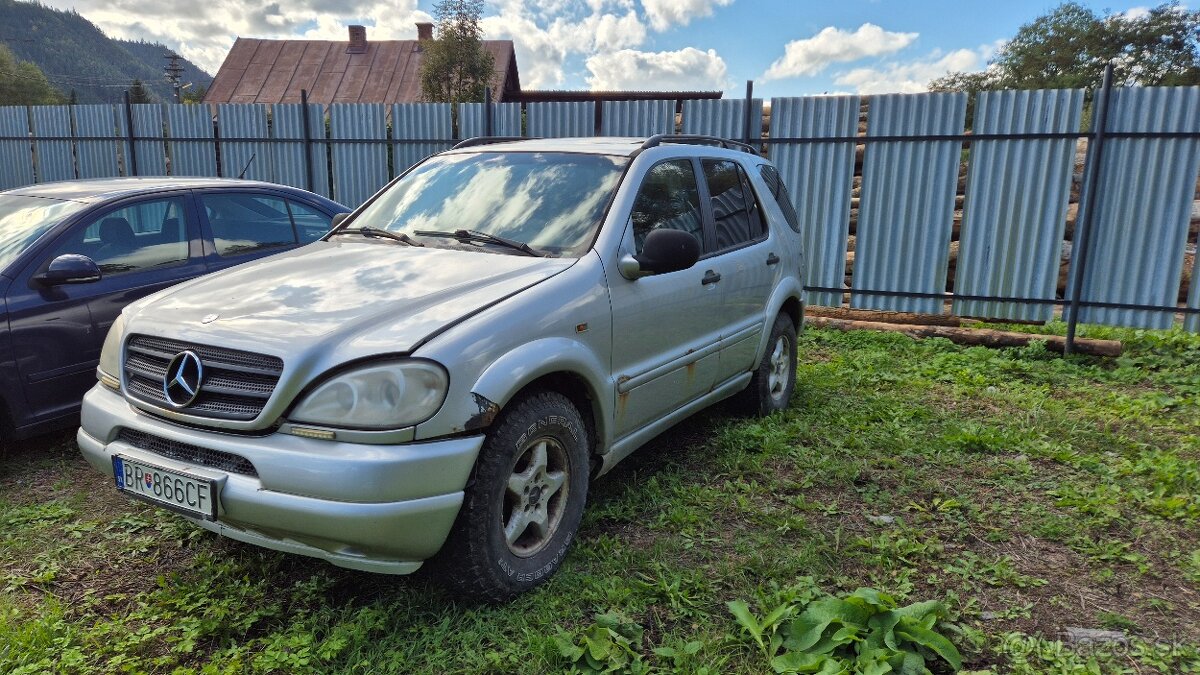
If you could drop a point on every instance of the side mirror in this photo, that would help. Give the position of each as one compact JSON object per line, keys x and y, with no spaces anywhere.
{"x":663,"y":251}
{"x":69,"y":268}
{"x":338,"y":219}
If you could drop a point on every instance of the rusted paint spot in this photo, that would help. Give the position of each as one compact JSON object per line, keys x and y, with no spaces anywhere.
{"x":486,"y":415}
{"x":691,"y":372}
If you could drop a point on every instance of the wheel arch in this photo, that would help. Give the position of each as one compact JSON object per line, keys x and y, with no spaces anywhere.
{"x":788,"y":301}
{"x":554,"y":364}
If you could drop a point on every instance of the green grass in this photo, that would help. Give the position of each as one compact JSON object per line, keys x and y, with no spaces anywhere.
{"x":1026,"y":492}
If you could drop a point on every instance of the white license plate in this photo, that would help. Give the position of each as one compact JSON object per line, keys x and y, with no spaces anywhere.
{"x":188,"y":494}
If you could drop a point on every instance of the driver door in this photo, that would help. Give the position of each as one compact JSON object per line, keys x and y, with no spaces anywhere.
{"x":665,"y":342}
{"x":57,"y":331}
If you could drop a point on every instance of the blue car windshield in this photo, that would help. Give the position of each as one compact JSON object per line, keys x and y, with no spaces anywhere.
{"x":551,"y":201}
{"x":24,"y":219}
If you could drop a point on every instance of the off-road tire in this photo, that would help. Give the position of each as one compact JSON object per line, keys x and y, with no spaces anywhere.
{"x":760,"y":398}
{"x":477,"y":562}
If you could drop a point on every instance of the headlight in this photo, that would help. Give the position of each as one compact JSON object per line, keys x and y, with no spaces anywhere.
{"x":110,"y":354}
{"x":387,"y":396}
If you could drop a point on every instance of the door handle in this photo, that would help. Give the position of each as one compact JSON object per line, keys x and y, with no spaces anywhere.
{"x":710,"y":277}
{"x":772,"y":259}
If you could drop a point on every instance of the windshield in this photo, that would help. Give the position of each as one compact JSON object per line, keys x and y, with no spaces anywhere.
{"x":24,"y":219}
{"x":550,"y":201}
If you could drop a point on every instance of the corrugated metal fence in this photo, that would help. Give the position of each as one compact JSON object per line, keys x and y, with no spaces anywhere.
{"x":902,"y":208}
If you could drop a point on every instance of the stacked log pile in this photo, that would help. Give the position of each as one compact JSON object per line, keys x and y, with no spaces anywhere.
{"x":1069,"y":230}
{"x":953,"y":327}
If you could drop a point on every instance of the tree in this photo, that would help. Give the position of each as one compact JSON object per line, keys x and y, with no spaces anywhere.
{"x":194,"y":94}
{"x":456,"y":67}
{"x":139,"y":94}
{"x":1070,"y":46}
{"x":23,"y":83}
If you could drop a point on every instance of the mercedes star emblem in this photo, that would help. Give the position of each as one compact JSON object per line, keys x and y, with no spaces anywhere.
{"x":185,"y":374}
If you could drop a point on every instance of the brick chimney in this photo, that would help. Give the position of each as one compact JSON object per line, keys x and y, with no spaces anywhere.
{"x":424,"y":31}
{"x":358,"y":40}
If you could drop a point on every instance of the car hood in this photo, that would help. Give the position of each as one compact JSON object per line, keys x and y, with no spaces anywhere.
{"x":343,"y":299}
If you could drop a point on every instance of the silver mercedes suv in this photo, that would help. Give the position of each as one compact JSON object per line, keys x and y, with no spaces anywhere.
{"x":438,"y":379}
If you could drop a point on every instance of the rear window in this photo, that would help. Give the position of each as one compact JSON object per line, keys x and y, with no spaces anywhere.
{"x":770,"y":176}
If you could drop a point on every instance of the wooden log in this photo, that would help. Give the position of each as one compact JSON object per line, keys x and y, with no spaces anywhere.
{"x":1185,"y":284}
{"x":909,"y":318}
{"x":974,"y":336}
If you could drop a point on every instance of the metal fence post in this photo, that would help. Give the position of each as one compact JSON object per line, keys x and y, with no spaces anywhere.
{"x":488,"y":124}
{"x":1083,"y":225}
{"x":133,"y":169}
{"x":747,"y":124}
{"x":308,"y":160}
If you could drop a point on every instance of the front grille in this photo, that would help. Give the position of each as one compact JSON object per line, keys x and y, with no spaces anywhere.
{"x":236,"y":384}
{"x":186,"y":452}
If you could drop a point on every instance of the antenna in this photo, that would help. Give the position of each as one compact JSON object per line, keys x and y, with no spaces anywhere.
{"x":247,"y":167}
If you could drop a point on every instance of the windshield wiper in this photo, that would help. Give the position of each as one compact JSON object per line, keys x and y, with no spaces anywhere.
{"x":376,"y":232}
{"x":476,"y":235}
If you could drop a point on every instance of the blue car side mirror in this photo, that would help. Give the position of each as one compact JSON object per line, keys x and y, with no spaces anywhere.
{"x":69,"y":268}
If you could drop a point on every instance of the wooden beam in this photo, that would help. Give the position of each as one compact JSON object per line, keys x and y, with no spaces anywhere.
{"x":974,"y":336}
{"x":882,"y":317}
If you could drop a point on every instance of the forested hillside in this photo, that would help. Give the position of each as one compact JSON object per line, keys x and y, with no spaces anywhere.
{"x":75,"y":55}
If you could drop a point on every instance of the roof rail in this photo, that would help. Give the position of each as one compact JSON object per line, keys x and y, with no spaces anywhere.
{"x":695,"y":139}
{"x":488,"y":140}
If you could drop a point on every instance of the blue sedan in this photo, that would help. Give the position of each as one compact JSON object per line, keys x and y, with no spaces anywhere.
{"x":72,"y":254}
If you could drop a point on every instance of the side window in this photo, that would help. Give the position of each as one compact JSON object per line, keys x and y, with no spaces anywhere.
{"x":311,"y":224}
{"x":669,"y":198}
{"x":137,"y":237}
{"x":735,"y":211}
{"x":778,"y":190}
{"x":242,"y":222}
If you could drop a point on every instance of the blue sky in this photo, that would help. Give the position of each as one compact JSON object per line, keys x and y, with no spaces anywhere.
{"x":788,"y":47}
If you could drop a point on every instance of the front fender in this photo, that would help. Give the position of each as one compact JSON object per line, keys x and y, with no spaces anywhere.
{"x":515,"y":370}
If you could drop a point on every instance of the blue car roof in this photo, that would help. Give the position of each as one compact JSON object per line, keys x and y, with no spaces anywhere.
{"x":103,"y":189}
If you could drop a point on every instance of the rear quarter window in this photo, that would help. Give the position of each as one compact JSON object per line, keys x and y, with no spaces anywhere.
{"x":771,"y":177}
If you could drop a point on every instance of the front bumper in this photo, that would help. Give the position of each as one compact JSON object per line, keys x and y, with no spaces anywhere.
{"x":379,"y":508}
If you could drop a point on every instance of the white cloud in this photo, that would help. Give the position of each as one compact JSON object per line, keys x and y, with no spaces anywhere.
{"x":685,"y":69}
{"x":545,"y":33}
{"x":543,"y":41}
{"x":834,"y":45}
{"x":205,"y":41}
{"x":666,"y":13}
{"x":1136,"y":13}
{"x":914,"y":76}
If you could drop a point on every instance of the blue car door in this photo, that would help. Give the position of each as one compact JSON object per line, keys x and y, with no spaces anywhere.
{"x":140,"y":245}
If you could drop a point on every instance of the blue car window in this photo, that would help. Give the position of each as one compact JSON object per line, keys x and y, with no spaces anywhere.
{"x":140,"y":236}
{"x":310,"y":223}
{"x":242,"y":222}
